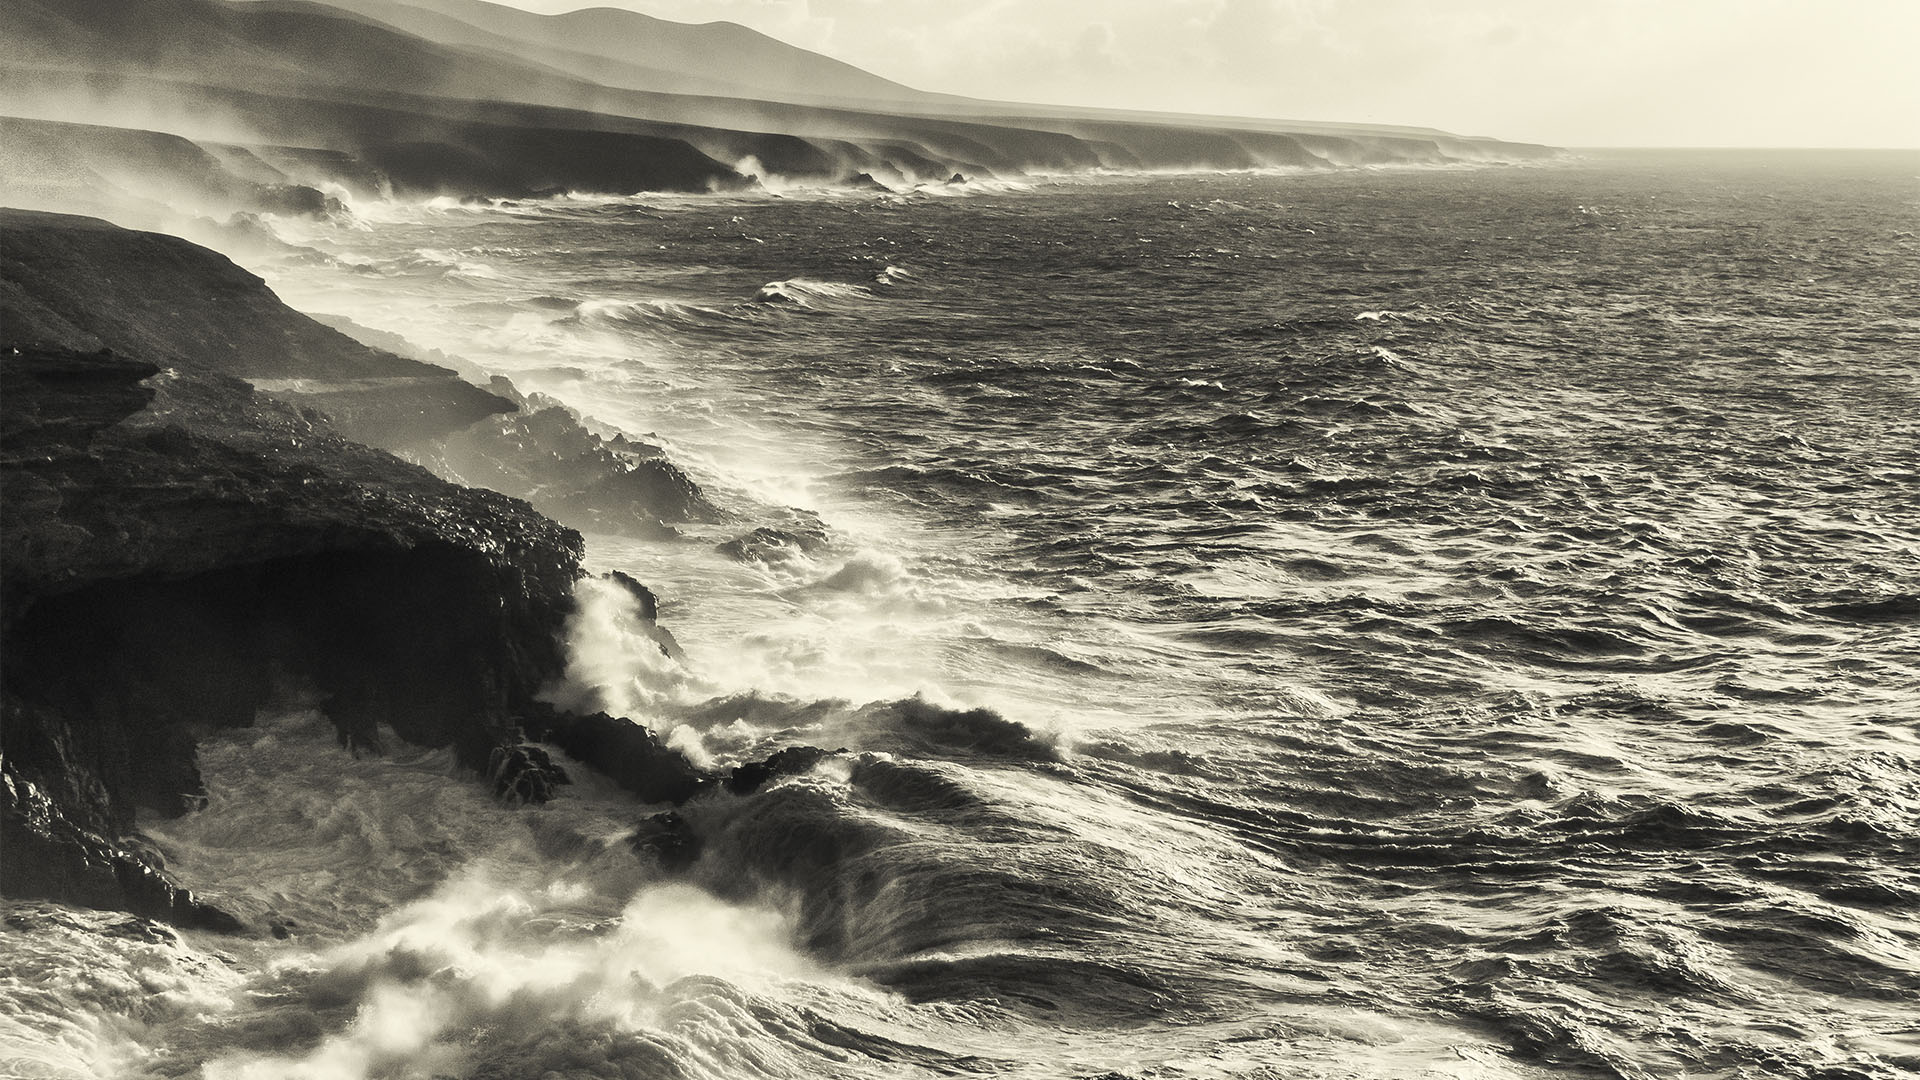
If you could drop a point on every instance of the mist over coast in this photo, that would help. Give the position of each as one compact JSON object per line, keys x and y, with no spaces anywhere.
{"x":379,"y":98}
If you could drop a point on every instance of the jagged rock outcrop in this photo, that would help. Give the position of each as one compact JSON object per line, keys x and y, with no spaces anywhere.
{"x":80,"y":283}
{"x":525,"y":774}
{"x":179,"y":548}
{"x":747,"y":778}
{"x":669,"y":838}
{"x":83,"y":284}
{"x":547,"y":456}
{"x":619,"y":749}
{"x":647,"y":606}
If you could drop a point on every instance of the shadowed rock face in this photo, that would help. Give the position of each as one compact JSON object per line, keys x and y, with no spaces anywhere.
{"x":79,"y":283}
{"x":770,"y":545}
{"x":515,"y":162}
{"x":621,"y":750}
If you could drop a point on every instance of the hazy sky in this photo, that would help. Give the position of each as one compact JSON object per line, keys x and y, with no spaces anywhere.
{"x":1571,"y":72}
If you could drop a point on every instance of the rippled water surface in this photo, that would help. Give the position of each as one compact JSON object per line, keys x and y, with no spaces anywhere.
{"x":1453,"y":623}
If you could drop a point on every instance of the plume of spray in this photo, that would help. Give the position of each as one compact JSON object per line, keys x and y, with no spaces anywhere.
{"x":618,"y":661}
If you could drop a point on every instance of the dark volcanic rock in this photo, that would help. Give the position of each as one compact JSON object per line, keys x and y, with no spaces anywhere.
{"x":66,"y":400}
{"x":525,"y":774}
{"x":647,"y":606}
{"x":644,"y":601}
{"x":791,"y":761}
{"x":62,"y":838}
{"x":669,"y":838}
{"x":172,"y":549}
{"x":80,"y":283}
{"x":180,"y":547}
{"x":547,"y":455}
{"x":620,"y":750}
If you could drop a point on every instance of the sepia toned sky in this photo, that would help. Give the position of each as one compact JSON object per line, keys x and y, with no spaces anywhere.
{"x":1571,"y":72}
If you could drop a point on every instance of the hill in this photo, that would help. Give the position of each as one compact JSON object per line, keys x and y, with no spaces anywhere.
{"x":415,"y":99}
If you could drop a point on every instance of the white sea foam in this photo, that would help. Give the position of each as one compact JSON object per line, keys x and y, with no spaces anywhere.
{"x":477,"y":976}
{"x":433,"y":931}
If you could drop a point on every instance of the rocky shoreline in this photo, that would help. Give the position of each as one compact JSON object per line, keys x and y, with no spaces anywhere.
{"x":214,"y":502}
{"x":182,"y":549}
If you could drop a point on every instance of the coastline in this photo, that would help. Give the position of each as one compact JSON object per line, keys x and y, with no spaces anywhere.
{"x":182,"y":550}
{"x":185,"y":552}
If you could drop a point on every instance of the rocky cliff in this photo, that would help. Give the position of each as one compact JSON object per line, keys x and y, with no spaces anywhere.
{"x":78,"y":283}
{"x":179,"y":549}
{"x":82,"y":284}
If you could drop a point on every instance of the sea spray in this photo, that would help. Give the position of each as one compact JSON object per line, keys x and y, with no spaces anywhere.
{"x":482,"y":978}
{"x":618,"y":660}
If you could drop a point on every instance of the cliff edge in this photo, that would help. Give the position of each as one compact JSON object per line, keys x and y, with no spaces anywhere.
{"x":179,"y":549}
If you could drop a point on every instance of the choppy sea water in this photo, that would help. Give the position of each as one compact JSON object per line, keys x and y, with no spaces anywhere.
{"x":1450,"y":623}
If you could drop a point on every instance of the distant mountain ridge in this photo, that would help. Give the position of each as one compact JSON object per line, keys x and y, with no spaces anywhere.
{"x":640,"y":52}
{"x":636,"y":51}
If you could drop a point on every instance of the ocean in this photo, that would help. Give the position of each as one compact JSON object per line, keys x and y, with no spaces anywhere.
{"x":1373,"y":623}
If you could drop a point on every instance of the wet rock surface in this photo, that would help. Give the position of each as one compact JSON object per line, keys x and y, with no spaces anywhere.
{"x":190,"y":536}
{"x":669,"y":838}
{"x":790,"y":761}
{"x":525,"y":774}
{"x":625,"y":752}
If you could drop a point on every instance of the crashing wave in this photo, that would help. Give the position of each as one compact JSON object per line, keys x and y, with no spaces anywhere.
{"x":809,"y":292}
